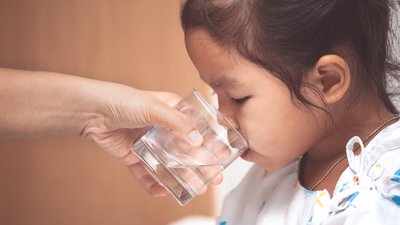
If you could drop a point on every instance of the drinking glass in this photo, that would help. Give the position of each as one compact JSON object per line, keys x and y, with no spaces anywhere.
{"x":183,"y":169}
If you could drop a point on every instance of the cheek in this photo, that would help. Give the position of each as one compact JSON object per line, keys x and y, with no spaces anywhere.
{"x":279,"y":131}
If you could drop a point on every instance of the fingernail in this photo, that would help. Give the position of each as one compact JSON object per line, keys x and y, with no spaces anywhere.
{"x":163,"y":194}
{"x":195,"y":136}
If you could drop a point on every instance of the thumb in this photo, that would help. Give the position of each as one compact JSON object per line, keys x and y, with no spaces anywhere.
{"x":166,"y":116}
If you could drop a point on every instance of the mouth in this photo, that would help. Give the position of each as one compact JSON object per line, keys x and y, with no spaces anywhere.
{"x":245,"y":153}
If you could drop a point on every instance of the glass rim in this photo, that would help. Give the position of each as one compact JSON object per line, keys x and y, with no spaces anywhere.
{"x":200,"y":96}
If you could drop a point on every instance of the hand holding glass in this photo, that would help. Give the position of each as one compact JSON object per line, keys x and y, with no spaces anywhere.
{"x":183,"y":169}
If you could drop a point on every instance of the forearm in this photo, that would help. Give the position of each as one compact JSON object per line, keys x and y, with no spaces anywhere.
{"x":34,"y":104}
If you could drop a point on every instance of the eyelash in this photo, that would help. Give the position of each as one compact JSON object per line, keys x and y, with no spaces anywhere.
{"x":235,"y":101}
{"x":239,"y":101}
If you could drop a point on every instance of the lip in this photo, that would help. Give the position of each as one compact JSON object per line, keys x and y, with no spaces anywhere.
{"x":245,"y":153}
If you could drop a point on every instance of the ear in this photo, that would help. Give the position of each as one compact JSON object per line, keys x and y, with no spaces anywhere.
{"x":331,"y":75}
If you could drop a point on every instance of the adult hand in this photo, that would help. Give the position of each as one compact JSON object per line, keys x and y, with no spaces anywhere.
{"x":42,"y":104}
{"x":129,"y":113}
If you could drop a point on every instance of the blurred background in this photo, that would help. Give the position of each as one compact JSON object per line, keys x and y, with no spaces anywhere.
{"x":70,"y":180}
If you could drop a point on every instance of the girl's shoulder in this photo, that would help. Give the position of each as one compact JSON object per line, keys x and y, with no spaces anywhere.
{"x":382,"y":158}
{"x":382,"y":154}
{"x":373,"y":176}
{"x":371,"y":183}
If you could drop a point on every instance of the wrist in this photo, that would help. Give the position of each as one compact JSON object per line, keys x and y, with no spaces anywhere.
{"x":93,"y":118}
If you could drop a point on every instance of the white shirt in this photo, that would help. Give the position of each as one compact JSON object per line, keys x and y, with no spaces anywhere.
{"x":367,"y":192}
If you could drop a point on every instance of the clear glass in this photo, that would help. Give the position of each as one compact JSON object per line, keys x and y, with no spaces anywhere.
{"x":185,"y":170}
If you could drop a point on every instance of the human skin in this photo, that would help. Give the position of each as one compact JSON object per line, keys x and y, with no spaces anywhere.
{"x":41,"y":104}
{"x":279,"y":128}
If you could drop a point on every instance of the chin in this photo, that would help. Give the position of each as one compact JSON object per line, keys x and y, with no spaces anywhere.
{"x":260,"y":160}
{"x":252,"y":156}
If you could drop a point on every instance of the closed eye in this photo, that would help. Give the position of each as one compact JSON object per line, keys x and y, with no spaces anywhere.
{"x":239,"y":101}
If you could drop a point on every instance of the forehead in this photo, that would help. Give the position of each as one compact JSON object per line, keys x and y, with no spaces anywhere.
{"x":215,"y":63}
{"x":222,"y":81}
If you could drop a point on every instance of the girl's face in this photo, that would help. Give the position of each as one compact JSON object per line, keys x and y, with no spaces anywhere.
{"x":278,"y":128}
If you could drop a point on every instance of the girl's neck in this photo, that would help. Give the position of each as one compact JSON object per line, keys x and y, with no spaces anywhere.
{"x":361,"y":121}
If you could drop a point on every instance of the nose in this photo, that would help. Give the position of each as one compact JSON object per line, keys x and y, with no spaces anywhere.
{"x":233,"y":130}
{"x":228,"y":115}
{"x":226,"y":120}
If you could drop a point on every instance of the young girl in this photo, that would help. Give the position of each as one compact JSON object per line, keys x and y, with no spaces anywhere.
{"x":307,"y":84}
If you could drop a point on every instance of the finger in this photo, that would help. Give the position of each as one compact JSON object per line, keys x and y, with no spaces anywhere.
{"x":164,"y":115}
{"x":130,"y":159}
{"x":203,"y":190}
{"x":170,"y":98}
{"x":135,"y":134}
{"x":158,"y":190}
{"x":218,"y":179}
{"x":147,"y":181}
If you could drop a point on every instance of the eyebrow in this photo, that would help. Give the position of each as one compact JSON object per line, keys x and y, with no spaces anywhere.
{"x":228,"y":82}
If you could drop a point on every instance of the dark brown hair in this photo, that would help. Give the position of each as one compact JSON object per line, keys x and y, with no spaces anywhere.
{"x":287,"y":37}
